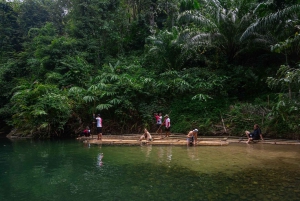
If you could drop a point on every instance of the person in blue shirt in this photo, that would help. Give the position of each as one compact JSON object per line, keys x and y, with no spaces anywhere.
{"x":255,"y":135}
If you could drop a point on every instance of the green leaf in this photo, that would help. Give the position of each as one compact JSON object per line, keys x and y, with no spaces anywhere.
{"x":103,"y":106}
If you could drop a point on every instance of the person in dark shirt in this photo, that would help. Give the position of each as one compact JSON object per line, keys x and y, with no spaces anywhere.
{"x":255,"y":135}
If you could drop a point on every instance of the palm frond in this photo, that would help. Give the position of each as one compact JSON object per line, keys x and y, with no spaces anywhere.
{"x":169,"y":73}
{"x":76,"y":90}
{"x":115,"y":101}
{"x":262,"y":6}
{"x":109,"y":93}
{"x":263,"y":24}
{"x":147,"y":80}
{"x":103,"y":106}
{"x":93,"y":88}
{"x":197,"y":18}
{"x":89,"y":99}
{"x":201,"y":97}
{"x":38,"y":112}
{"x":194,"y":39}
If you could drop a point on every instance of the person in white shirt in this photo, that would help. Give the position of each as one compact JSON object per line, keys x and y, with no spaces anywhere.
{"x":99,"y":126}
{"x":167,"y":124}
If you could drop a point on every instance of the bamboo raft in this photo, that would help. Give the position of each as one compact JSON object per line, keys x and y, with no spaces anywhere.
{"x":134,"y":140}
{"x":178,"y":139}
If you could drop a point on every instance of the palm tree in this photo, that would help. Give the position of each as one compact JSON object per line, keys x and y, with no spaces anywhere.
{"x":218,"y":24}
{"x":279,"y":31}
{"x":165,"y":49}
{"x":283,"y":23}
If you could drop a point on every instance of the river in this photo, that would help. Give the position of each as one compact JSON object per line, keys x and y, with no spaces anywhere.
{"x":70,"y":170}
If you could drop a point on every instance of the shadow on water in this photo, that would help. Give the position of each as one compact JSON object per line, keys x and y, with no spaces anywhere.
{"x":69,"y":170}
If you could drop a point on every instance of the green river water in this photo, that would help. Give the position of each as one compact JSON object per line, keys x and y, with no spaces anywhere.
{"x":69,"y":170}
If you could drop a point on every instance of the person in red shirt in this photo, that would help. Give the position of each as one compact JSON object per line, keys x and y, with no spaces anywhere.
{"x":158,"y":118}
{"x":87,"y":131}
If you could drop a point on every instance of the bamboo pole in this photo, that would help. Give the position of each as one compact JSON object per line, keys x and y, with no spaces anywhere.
{"x":223,"y":124}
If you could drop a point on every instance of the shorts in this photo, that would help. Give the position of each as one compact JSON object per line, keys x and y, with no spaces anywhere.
{"x":144,"y":138}
{"x":99,"y":130}
{"x":190,"y":139}
{"x":251,"y":135}
{"x":158,"y":126}
{"x":167,"y":129}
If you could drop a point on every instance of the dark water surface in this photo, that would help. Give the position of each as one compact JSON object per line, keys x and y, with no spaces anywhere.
{"x":69,"y":170}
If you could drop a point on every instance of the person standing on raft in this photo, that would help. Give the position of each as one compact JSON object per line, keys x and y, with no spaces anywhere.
{"x":192,"y":137}
{"x":99,"y":126}
{"x":255,"y":135}
{"x":167,"y":123}
{"x":158,"y":118}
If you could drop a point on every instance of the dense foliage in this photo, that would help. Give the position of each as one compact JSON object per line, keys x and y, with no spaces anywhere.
{"x":218,"y":65}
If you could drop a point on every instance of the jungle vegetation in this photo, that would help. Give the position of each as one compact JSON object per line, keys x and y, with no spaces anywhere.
{"x":217,"y":65}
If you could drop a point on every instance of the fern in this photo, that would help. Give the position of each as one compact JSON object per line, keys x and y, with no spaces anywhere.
{"x":201,"y":97}
{"x":103,"y":106}
{"x":89,"y":99}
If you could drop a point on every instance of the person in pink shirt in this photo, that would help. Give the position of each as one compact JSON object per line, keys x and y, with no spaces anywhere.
{"x":158,"y":118}
{"x":167,"y":123}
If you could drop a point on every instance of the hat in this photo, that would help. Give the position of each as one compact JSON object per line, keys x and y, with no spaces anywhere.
{"x":166,"y":115}
{"x":195,"y":130}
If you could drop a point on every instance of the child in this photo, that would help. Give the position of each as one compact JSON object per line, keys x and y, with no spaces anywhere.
{"x":87,"y":132}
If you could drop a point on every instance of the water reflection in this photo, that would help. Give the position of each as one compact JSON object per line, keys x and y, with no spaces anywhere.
{"x":160,"y":154}
{"x":148,"y":148}
{"x":163,"y":154}
{"x":169,"y":154}
{"x":192,"y":153}
{"x":99,"y":159}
